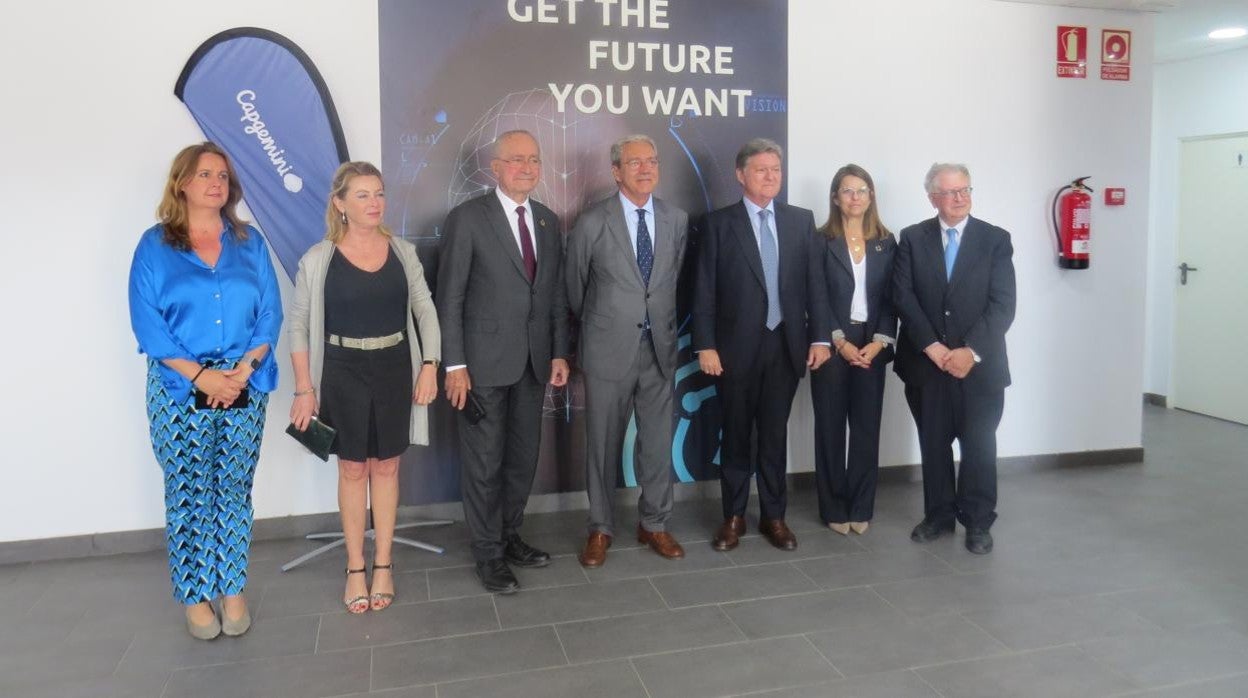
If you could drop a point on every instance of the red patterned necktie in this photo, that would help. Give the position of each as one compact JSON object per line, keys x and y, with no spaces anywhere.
{"x":526,"y":246}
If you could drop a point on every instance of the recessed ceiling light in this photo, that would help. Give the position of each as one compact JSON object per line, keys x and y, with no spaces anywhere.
{"x":1228,"y":33}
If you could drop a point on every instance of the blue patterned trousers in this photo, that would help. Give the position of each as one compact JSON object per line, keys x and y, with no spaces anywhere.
{"x":209,"y":460}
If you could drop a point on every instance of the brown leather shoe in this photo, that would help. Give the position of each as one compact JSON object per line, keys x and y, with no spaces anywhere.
{"x":729,"y":534}
{"x":660,"y":542}
{"x":595,"y":552}
{"x":777,"y":533}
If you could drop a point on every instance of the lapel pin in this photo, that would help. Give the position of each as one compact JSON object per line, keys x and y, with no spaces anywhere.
{"x":879,"y":248}
{"x":542,"y":223}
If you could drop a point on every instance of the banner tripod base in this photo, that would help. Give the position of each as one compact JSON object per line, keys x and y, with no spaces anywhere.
{"x":339,"y":540}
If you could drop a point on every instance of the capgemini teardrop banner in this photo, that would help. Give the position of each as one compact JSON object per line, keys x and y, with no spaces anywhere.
{"x":258,"y":96}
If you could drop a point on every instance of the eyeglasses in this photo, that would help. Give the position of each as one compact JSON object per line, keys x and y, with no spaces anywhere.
{"x":636,"y":163}
{"x":854,"y":193}
{"x":964,"y":192}
{"x":520,"y":160}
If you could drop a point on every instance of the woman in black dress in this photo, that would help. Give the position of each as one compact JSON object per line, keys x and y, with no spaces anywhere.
{"x":364,"y":346}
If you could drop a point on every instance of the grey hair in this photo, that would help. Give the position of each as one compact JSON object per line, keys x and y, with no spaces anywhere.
{"x":939,"y":168}
{"x":617,"y":148}
{"x":498,"y":140}
{"x":756,"y":146}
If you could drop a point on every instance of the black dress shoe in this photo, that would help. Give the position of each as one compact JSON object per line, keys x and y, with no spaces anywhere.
{"x":496,"y":577}
{"x":521,"y":554}
{"x":978,"y":541}
{"x":929,"y":530}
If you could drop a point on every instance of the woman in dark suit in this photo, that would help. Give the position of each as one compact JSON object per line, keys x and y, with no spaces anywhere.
{"x":849,"y":389}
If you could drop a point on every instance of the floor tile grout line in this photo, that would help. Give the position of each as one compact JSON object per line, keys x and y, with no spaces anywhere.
{"x":666,"y":605}
{"x":926,"y":683}
{"x":1078,"y":647}
{"x":805,"y":574}
{"x":562,"y":648}
{"x":640,"y":680}
{"x":133,"y":638}
{"x":982,"y":629}
{"x":822,"y":655}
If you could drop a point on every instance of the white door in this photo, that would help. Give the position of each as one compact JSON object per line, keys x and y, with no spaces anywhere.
{"x":1210,"y":373}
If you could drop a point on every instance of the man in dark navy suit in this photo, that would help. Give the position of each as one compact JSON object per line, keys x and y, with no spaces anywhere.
{"x":760,"y":319}
{"x":953,"y":288}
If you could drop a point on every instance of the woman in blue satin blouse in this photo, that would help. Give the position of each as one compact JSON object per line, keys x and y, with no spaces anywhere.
{"x":205,"y":308}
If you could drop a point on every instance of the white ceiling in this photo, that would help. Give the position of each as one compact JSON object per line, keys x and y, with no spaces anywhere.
{"x":1182,"y":26}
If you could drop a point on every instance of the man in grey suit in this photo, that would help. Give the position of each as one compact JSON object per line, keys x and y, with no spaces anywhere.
{"x":504,"y":320}
{"x":624,"y":257}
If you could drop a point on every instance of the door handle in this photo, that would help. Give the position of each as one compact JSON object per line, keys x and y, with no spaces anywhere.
{"x":1183,"y":269}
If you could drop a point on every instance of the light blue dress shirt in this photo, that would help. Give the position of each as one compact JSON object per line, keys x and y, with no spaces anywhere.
{"x":181,"y":308}
{"x":630,"y":217}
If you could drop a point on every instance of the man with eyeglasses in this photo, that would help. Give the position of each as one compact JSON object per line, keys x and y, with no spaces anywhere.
{"x":953,"y":288}
{"x":504,"y":319}
{"x":624,"y":257}
{"x":761,"y":317}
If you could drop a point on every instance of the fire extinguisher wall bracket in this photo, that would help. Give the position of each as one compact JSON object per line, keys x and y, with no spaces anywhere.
{"x":1073,"y":227}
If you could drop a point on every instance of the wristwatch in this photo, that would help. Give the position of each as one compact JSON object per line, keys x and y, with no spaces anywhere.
{"x":431,"y":362}
{"x":254,"y":363}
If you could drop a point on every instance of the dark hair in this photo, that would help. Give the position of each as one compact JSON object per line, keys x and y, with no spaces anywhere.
{"x":871,"y":226}
{"x":172,"y":211}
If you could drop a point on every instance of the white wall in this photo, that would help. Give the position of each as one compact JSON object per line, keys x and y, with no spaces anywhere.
{"x":91,"y":117}
{"x":1199,"y":97}
{"x":895,"y":86}
{"x":91,"y":122}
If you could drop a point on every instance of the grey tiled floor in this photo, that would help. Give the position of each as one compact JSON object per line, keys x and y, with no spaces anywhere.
{"x":1106,"y":581}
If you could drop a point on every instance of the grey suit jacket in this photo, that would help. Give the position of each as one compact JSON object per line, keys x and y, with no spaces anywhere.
{"x":305,"y":324}
{"x":493,"y":320}
{"x":606,"y":293}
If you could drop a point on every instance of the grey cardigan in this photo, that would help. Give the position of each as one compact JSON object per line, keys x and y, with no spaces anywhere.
{"x":305,"y":323}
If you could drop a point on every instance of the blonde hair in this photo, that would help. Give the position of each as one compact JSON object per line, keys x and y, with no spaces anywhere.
{"x":335,"y":227}
{"x":173,"y":212}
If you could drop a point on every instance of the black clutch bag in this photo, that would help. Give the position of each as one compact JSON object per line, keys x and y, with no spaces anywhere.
{"x":201,"y":401}
{"x":474,"y":412}
{"x":317,"y":438}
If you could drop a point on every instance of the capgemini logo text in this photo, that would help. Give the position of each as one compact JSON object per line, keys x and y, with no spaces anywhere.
{"x":256,"y":127}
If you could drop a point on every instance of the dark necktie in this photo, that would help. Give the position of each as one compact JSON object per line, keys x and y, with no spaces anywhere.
{"x":526,"y":246}
{"x":645,"y":248}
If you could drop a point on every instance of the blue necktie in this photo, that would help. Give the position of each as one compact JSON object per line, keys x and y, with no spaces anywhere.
{"x":771,"y":268}
{"x":645,"y":249}
{"x":951,"y":252}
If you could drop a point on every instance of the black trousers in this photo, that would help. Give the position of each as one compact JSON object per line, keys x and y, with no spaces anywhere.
{"x":843,"y":395}
{"x":943,"y":411}
{"x":498,"y":460}
{"x":757,"y":397}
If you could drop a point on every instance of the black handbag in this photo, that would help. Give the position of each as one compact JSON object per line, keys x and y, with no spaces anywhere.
{"x":201,"y":401}
{"x":317,"y":438}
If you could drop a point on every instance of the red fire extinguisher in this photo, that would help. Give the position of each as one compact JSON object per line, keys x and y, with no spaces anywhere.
{"x":1074,"y":225}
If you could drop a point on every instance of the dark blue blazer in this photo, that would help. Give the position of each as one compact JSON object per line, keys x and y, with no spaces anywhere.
{"x":730,"y":293}
{"x":839,"y":272}
{"x":973,"y":308}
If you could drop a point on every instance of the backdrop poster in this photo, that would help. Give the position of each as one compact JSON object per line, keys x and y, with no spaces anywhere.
{"x":699,"y":76}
